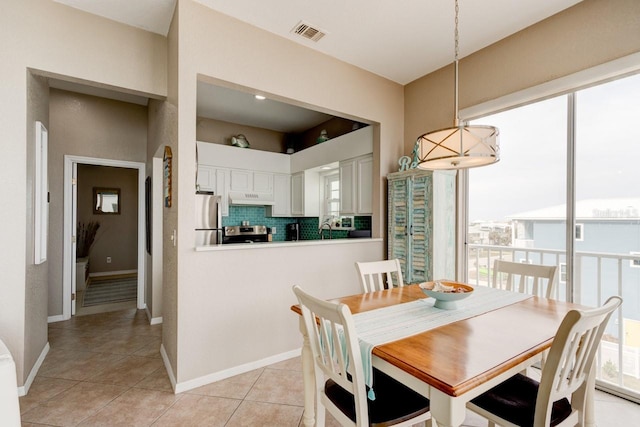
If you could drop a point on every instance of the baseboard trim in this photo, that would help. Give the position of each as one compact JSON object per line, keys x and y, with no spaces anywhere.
{"x":167,"y":366}
{"x":152,"y":320}
{"x":112,"y":273}
{"x":23,"y":390}
{"x":56,"y":318}
{"x":236,"y":370}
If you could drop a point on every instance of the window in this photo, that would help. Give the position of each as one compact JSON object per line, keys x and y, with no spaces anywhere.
{"x":562,"y":277}
{"x":528,"y":189}
{"x":331,"y":208}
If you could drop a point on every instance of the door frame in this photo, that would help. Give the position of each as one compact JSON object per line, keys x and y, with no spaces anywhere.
{"x":68,"y":228}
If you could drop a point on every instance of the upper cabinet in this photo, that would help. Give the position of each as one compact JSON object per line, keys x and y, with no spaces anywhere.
{"x":281,"y":196}
{"x":215,"y":179}
{"x":290,"y":183}
{"x":251,"y":181}
{"x":356,"y":186}
{"x":305,"y":194}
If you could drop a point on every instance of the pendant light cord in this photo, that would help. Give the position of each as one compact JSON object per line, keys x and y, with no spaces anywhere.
{"x":456,"y":119}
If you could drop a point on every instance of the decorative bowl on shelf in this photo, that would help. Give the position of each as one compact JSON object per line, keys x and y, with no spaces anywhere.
{"x":446,"y":292}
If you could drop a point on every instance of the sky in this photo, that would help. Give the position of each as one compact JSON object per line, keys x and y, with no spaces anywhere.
{"x":531,"y":173}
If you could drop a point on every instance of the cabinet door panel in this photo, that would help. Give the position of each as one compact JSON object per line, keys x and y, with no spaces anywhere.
{"x":347,"y":187}
{"x":241,"y":180}
{"x":222,"y":189}
{"x":263,"y":182}
{"x":297,"y":194}
{"x":281,"y":195}
{"x":421,"y":228}
{"x":364,"y":175}
{"x":206,"y":180}
{"x":398,"y":211}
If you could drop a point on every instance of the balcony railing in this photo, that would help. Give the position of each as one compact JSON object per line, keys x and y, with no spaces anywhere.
{"x":596,"y":277}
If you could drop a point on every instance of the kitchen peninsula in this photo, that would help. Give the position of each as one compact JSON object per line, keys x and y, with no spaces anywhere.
{"x":238,"y":294}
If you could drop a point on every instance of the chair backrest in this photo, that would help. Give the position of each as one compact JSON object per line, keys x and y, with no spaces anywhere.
{"x":504,"y":273}
{"x":570,"y":359}
{"x":334,"y":345}
{"x":378,"y":275}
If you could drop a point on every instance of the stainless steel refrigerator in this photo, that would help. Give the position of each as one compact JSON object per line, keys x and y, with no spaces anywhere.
{"x":208,"y":219}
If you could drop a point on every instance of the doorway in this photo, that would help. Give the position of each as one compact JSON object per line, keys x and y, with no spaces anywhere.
{"x":70,"y":239}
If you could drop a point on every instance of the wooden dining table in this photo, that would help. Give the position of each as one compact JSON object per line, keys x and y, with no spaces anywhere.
{"x":456,"y":362}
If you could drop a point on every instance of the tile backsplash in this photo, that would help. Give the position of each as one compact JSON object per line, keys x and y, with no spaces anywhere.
{"x":308,"y":226}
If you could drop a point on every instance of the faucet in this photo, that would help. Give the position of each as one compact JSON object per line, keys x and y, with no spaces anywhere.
{"x":321,"y":229}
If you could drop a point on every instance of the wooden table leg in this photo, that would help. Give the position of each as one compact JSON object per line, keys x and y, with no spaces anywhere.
{"x":446,"y":410}
{"x":308,"y":377}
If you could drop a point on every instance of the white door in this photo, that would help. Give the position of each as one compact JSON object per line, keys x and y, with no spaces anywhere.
{"x":74,"y":235}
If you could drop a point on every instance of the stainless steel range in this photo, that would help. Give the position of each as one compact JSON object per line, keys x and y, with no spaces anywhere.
{"x":245,"y":234}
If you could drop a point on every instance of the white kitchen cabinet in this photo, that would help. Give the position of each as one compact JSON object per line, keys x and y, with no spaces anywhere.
{"x":251,"y":181}
{"x":222,"y":189}
{"x":281,"y":196}
{"x":263,"y":182}
{"x":215,"y":179}
{"x":206,"y":180}
{"x":356,"y":185}
{"x":241,"y":180}
{"x":305,"y":194}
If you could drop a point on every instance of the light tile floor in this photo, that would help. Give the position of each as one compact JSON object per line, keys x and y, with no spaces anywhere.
{"x":105,"y":370}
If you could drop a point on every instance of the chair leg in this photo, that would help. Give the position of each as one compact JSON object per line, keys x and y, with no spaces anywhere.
{"x":321,"y":414}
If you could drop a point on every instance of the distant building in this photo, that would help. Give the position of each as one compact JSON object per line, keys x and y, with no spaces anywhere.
{"x":603,"y":226}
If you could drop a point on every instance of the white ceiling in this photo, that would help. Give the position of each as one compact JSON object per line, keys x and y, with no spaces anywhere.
{"x":399,"y":40}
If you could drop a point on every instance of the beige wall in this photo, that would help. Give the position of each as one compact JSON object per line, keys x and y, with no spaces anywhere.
{"x":162,"y":128}
{"x":35,"y":317}
{"x":170,"y":215}
{"x":87,"y":126}
{"x":591,"y":33}
{"x":117,"y":236}
{"x":219,"y":132}
{"x":46,"y":36}
{"x":265,"y":62}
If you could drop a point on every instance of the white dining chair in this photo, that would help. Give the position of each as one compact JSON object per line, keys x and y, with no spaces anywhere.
{"x":542,"y":277}
{"x":560,"y":397}
{"x":339,"y":373}
{"x":379,"y":275}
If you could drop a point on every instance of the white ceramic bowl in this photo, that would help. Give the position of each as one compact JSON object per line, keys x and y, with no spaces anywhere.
{"x":446,"y":300}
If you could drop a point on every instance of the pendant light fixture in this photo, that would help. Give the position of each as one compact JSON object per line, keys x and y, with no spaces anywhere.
{"x":461,"y":146}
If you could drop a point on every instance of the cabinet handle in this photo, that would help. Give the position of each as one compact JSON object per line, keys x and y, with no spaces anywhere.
{"x":411,"y":230}
{"x":405,"y":230}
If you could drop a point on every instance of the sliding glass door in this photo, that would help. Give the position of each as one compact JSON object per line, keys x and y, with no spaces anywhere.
{"x":522,"y":208}
{"x":513,"y":205}
{"x":608,"y":219}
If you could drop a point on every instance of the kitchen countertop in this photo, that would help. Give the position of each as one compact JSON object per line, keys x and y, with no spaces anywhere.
{"x":272,"y":245}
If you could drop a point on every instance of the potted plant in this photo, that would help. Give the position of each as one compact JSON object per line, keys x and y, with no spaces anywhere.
{"x":85,"y":237}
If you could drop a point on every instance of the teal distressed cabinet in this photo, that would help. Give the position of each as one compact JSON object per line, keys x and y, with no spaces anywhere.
{"x":421,"y":223}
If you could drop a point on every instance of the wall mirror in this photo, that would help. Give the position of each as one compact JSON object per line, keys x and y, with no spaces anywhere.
{"x":106,"y":200}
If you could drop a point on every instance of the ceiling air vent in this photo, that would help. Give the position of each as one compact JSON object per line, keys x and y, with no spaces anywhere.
{"x":308,"y":32}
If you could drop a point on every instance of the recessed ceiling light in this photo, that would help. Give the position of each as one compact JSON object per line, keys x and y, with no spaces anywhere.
{"x":260,"y":97}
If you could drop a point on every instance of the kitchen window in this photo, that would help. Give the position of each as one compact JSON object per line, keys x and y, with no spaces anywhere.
{"x":331,"y":205}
